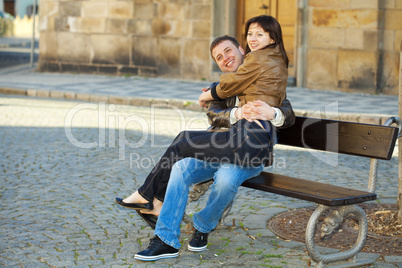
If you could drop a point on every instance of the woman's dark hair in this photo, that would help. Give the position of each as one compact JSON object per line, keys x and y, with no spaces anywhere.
{"x":270,"y":25}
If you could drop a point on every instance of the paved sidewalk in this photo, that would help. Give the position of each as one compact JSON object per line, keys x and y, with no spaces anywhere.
{"x":64,"y":162}
{"x":141,"y":91}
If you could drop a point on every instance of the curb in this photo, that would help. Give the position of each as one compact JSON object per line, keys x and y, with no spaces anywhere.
{"x":375,"y":119}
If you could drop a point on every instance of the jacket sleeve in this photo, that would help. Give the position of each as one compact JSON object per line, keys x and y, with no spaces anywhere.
{"x":288,"y":113}
{"x":219,"y":112}
{"x":233,"y":84}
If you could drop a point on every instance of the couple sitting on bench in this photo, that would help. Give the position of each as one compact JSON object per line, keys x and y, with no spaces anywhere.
{"x":230,"y":157}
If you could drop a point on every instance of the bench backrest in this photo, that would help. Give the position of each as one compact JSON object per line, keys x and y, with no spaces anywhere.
{"x":341,"y":137}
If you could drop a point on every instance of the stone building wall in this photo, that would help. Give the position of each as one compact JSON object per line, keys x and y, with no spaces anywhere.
{"x":346,"y":45}
{"x":353,"y":45}
{"x":136,"y":37}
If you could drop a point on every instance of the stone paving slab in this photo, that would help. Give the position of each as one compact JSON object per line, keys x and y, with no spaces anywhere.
{"x":63,"y":163}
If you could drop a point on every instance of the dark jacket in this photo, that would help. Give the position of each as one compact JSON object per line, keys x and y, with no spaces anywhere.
{"x":219,"y":113}
{"x":219,"y":117}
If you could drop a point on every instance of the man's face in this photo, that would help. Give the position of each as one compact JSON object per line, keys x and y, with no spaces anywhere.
{"x":228,"y":56}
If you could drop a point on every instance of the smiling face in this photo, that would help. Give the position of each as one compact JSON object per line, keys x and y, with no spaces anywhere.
{"x":228,"y":56}
{"x":257,"y":38}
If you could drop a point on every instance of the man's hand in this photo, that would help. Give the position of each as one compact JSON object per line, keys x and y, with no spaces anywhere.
{"x":204,"y":97}
{"x":258,"y":110}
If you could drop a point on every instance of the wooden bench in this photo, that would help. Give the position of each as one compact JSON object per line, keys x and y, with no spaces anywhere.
{"x":371,"y":141}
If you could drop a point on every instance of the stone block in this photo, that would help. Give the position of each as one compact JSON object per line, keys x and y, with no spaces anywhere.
{"x":57,"y":94}
{"x":321,"y":71}
{"x":31,"y":92}
{"x":12,"y":91}
{"x":69,"y":95}
{"x":335,"y":18}
{"x":160,"y":27}
{"x":397,"y":40}
{"x":116,"y":26}
{"x":70,"y":8}
{"x":140,"y":102}
{"x":169,"y":55}
{"x":169,"y":10}
{"x":354,"y":38}
{"x":66,"y":67}
{"x":369,"y":4}
{"x":195,"y":58}
{"x":42,"y":93}
{"x":201,"y":29}
{"x":370,"y":119}
{"x":143,"y":11}
{"x":49,"y":7}
{"x":79,"y":52}
{"x":388,"y":39}
{"x":148,"y":72}
{"x":329,"y":3}
{"x":390,"y":73}
{"x":139,"y":27}
{"x":326,"y":37}
{"x":82,"y":96}
{"x":107,"y":69}
{"x":98,"y":98}
{"x":201,"y":12}
{"x":357,"y":70}
{"x":91,"y":25}
{"x":126,"y":70}
{"x":87,"y":68}
{"x":393,"y":19}
{"x":94,"y":9}
{"x":108,"y":48}
{"x":48,"y":45}
{"x":121,"y":9}
{"x":120,"y":100}
{"x":370,"y":40}
{"x":144,"y":50}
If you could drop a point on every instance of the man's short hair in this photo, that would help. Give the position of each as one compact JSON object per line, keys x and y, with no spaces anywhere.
{"x":220,"y":39}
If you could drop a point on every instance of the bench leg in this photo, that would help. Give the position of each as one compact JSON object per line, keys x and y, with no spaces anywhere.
{"x":330,"y":223}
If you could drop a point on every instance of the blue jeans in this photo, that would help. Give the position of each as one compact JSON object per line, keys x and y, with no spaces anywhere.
{"x":227,"y":179}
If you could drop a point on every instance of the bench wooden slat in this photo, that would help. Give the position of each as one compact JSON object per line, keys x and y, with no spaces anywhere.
{"x":317,"y":192}
{"x":341,"y":137}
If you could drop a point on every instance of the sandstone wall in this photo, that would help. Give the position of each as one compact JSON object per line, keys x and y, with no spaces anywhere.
{"x":137,"y":37}
{"x":353,"y":45}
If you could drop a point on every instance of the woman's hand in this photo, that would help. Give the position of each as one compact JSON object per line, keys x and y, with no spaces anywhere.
{"x":204,"y":97}
{"x":258,"y":110}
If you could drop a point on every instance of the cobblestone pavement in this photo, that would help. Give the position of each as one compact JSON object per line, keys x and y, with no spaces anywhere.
{"x":63,"y":163}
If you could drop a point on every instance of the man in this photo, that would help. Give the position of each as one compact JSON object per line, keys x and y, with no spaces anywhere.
{"x":228,"y":54}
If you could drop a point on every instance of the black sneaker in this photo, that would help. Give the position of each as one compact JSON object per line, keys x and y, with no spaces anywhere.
{"x":198,"y":242}
{"x":156,"y":250}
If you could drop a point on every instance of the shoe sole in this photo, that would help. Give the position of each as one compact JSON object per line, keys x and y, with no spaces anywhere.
{"x":197,"y":249}
{"x":155,"y":258}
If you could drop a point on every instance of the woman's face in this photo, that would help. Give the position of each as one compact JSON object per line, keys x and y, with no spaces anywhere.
{"x":257,"y":38}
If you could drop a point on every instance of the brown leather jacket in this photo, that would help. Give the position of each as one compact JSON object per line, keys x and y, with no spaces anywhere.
{"x":262,"y":76}
{"x":219,"y":113}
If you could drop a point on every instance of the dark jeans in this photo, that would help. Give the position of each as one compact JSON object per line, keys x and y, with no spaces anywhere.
{"x":245,"y":144}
